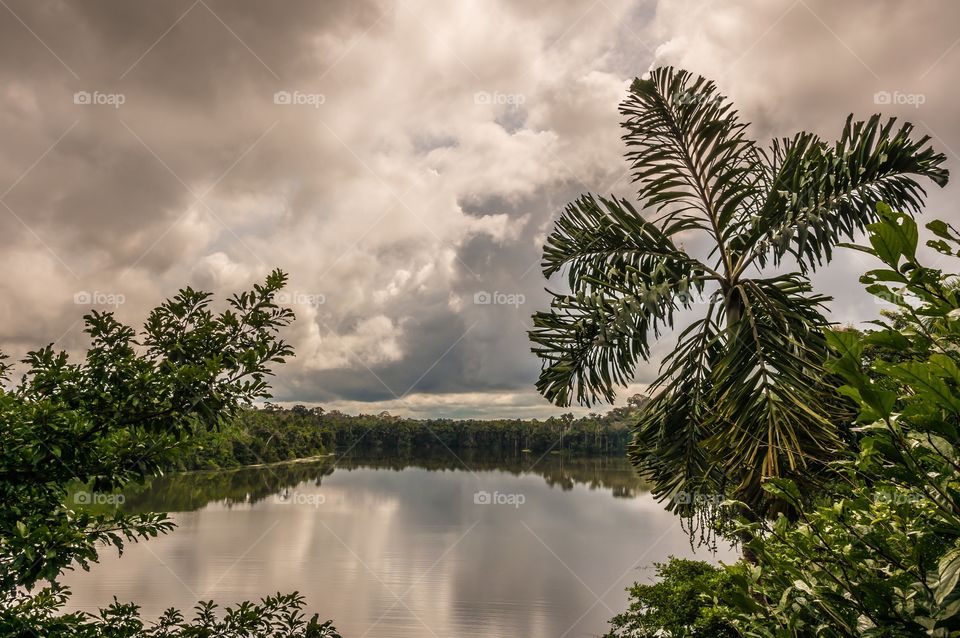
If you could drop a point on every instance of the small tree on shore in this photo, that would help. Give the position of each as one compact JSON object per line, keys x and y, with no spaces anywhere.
{"x":119,"y":416}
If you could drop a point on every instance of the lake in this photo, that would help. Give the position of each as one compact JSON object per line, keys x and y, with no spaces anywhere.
{"x":398,"y":548}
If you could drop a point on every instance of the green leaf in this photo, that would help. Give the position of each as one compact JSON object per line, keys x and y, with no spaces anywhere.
{"x":887,"y":243}
{"x":948,"y":574}
{"x":942,"y":229}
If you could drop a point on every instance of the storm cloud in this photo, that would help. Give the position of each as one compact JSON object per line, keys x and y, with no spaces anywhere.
{"x":402,"y":160}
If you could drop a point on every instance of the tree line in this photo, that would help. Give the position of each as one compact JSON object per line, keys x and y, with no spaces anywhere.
{"x":273,"y":433}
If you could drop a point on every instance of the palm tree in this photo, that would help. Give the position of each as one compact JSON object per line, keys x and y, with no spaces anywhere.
{"x":743,"y":395}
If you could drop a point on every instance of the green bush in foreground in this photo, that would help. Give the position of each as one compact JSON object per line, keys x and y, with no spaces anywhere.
{"x":127,"y":411}
{"x":276,"y":616}
{"x":881,"y":555}
{"x":877,"y":552}
{"x":683,"y":602}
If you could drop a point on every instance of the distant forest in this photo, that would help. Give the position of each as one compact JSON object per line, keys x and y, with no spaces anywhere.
{"x":271,"y":434}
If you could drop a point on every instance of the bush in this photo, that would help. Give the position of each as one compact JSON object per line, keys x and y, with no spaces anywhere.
{"x":684,"y":602}
{"x":128,"y":410}
{"x":881,"y":555}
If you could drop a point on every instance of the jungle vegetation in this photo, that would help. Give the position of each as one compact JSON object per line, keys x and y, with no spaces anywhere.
{"x":271,"y":434}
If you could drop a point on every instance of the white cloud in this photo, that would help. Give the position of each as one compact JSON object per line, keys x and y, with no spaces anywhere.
{"x":371,"y":342}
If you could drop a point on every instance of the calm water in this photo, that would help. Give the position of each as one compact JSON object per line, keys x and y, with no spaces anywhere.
{"x":397,"y":549}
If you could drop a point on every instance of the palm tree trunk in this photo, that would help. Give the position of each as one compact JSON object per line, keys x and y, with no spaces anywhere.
{"x":734,"y":313}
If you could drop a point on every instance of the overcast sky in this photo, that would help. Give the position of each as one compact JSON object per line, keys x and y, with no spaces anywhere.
{"x":398,"y":158}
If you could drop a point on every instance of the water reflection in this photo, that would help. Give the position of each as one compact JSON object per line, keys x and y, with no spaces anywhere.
{"x":400,"y":548}
{"x":186,"y":492}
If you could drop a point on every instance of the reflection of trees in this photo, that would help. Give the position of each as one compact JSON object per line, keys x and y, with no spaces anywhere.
{"x":188,"y":491}
{"x":615,"y":474}
{"x":192,"y":490}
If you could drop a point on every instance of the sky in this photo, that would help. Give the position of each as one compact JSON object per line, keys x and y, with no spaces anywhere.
{"x":402,"y":160}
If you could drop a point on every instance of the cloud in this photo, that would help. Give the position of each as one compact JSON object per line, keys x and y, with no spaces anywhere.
{"x":417,"y":156}
{"x":806,"y":64}
{"x":374,"y":341}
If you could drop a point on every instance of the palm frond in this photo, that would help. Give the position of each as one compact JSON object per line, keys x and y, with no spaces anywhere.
{"x":627,"y":279}
{"x":820,"y":195}
{"x":772,"y":402}
{"x":688,"y":150}
{"x":744,"y":395}
{"x":667,"y":447}
{"x":595,"y":235}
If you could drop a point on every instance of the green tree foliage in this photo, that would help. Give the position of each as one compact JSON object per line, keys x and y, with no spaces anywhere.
{"x":684,"y":602}
{"x":876,"y":553}
{"x":255,"y":436}
{"x":124,"y":413}
{"x":744,"y":395}
{"x":273,"y":434}
{"x":277,"y":616}
{"x":880,"y":555}
{"x":594,"y":434}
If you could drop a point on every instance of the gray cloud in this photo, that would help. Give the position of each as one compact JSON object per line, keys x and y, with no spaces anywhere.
{"x":805,"y":65}
{"x":448,"y":137}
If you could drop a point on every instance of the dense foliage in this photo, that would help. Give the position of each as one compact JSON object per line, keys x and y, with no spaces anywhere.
{"x":276,"y":434}
{"x":682,"y":603}
{"x":257,"y":436}
{"x":593,"y":434}
{"x":129,"y":409}
{"x":744,"y":395}
{"x":880,"y":554}
{"x":875,"y":552}
{"x":277,"y":616}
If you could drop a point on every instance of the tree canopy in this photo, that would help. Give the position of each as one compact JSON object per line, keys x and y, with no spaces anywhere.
{"x":122,"y":414}
{"x":744,"y":393}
